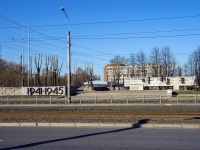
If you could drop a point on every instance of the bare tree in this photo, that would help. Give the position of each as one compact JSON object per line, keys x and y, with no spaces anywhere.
{"x":31,"y":72}
{"x":11,"y":71}
{"x":89,"y":73}
{"x":132,"y":63}
{"x":21,"y":71}
{"x":53,"y":70}
{"x":142,"y":62}
{"x":179,"y":69}
{"x":168,"y":61}
{"x":118,"y":72}
{"x":155,"y":60}
{"x":1,"y":69}
{"x":38,"y":64}
{"x":197,"y":66}
{"x":58,"y":73}
{"x":80,"y":74}
{"x":117,"y":66}
{"x":185,"y":69}
{"x":47,"y":62}
{"x":119,"y":60}
{"x":190,"y":64}
{"x":75,"y":75}
{"x":1,"y":72}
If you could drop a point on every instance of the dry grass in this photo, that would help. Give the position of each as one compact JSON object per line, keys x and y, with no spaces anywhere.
{"x":115,"y":115}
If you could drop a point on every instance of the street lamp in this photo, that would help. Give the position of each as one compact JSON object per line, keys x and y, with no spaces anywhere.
{"x":68,"y":61}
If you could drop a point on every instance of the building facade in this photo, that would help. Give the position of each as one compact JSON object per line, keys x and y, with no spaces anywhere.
{"x":160,"y":83}
{"x":145,"y":77}
{"x":113,"y":72}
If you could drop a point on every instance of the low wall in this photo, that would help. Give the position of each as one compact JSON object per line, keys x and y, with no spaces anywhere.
{"x":6,"y":91}
{"x":52,"y":90}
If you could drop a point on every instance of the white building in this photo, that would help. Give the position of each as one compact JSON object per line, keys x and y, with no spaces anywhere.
{"x":159,"y":83}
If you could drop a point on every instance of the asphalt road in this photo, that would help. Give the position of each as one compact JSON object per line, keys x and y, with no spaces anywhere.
{"x":101,"y":138}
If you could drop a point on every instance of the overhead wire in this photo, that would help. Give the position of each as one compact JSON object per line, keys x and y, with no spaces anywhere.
{"x":119,"y":21}
{"x":139,"y":37}
{"x":47,"y":37}
{"x":143,"y":32}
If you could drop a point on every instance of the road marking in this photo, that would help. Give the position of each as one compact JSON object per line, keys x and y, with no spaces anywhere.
{"x":1,"y":140}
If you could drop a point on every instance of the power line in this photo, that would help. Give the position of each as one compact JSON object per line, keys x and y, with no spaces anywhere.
{"x":47,"y":37}
{"x":117,"y":21}
{"x":144,"y":32}
{"x":91,"y":49}
{"x":138,"y":20}
{"x":9,"y":20}
{"x":79,"y":37}
{"x":137,"y":37}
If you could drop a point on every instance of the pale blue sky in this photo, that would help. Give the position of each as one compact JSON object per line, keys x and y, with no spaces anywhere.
{"x":100,"y":29}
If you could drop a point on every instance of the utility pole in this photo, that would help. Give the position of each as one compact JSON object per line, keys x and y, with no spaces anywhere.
{"x":69,"y":60}
{"x":31,"y":75}
{"x":1,"y":69}
{"x":28,"y":55}
{"x":22,"y":65}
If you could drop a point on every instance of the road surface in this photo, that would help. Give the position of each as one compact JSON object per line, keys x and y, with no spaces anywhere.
{"x":102,"y":138}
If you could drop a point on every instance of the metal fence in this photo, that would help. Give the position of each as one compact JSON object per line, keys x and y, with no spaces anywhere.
{"x":112,"y":99}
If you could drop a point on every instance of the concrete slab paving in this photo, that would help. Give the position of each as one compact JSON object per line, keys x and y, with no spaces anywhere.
{"x":103,"y":125}
{"x":27,"y":124}
{"x":9,"y":124}
{"x":167,"y":126}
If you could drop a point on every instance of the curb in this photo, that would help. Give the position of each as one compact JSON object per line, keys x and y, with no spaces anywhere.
{"x":101,"y":125}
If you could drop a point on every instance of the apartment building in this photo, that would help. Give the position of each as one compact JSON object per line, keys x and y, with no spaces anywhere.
{"x":113,"y":72}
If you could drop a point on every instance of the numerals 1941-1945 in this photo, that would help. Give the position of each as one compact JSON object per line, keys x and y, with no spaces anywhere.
{"x":45,"y":90}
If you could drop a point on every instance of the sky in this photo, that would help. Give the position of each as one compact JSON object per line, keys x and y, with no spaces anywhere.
{"x":100,"y":29}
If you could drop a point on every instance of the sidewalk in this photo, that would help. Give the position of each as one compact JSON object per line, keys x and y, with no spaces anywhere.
{"x":101,"y":125}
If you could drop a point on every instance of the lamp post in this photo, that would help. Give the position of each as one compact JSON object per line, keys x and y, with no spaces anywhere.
{"x":68,"y":61}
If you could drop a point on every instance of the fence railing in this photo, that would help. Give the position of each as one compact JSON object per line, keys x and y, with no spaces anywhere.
{"x":112,"y":99}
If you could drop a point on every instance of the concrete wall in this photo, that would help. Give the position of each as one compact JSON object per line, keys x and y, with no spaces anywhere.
{"x":5,"y":91}
{"x":52,"y":90}
{"x":174,"y":82}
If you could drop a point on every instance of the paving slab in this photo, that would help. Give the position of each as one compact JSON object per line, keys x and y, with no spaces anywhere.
{"x":62,"y":125}
{"x":24,"y":124}
{"x":43,"y":124}
{"x":147,"y":126}
{"x":9,"y":124}
{"x":87,"y":125}
{"x":192,"y":126}
{"x":167,"y":126}
{"x":123,"y":125}
{"x":105,"y":125}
